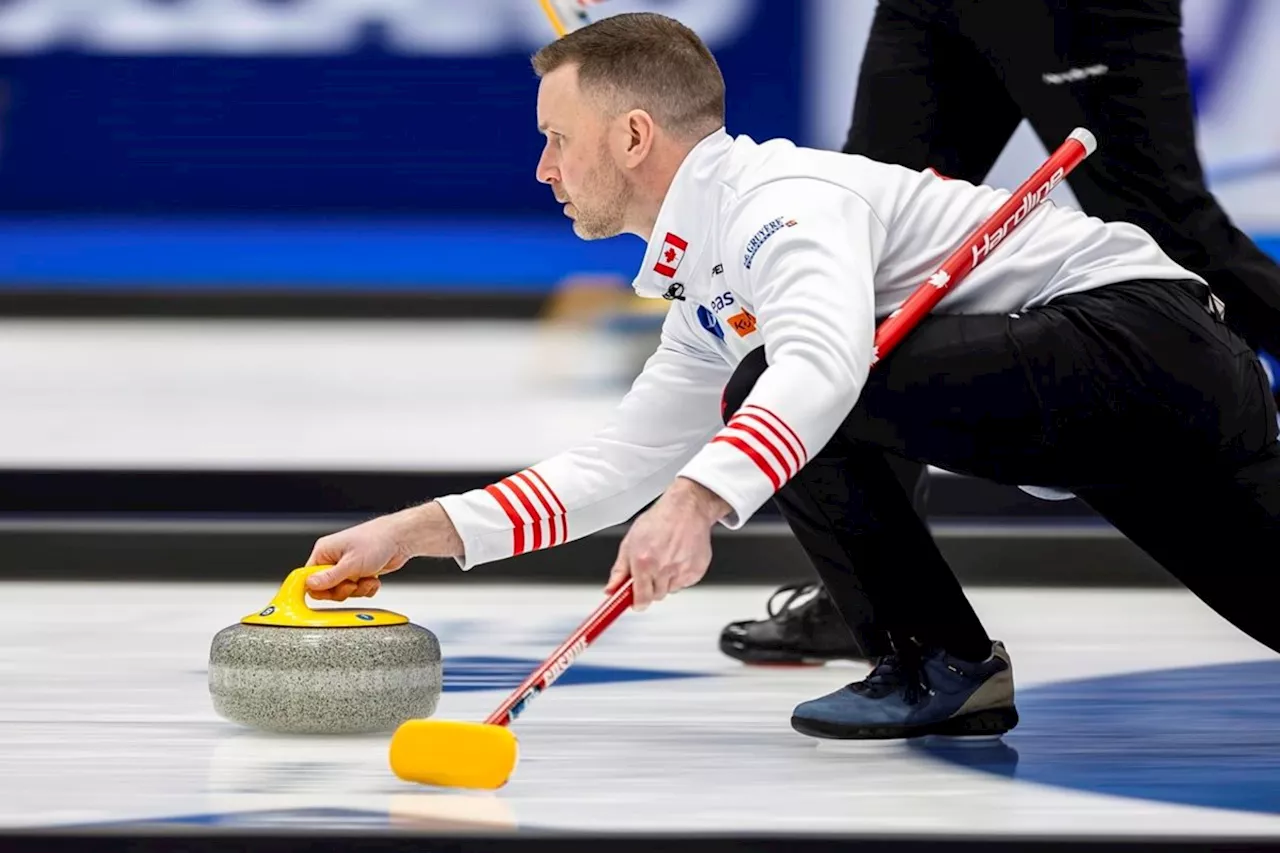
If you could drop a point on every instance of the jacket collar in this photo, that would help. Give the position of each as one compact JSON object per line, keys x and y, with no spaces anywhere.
{"x":681,"y":232}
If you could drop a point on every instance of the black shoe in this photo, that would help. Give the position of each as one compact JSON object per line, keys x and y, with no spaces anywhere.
{"x":905,"y":698}
{"x":805,"y":629}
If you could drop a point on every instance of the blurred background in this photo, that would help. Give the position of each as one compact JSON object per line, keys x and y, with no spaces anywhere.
{"x":268,"y":267}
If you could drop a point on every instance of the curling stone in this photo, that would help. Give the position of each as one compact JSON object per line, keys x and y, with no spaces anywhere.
{"x":290,"y":668}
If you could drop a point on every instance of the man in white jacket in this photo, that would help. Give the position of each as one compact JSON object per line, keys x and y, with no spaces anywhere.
{"x":1076,"y":356}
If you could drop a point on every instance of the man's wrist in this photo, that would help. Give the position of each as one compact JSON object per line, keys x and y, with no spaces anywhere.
{"x":701,"y":500}
{"x":429,"y":532}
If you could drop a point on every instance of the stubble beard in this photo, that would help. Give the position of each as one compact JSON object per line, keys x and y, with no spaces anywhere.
{"x":608,"y":218}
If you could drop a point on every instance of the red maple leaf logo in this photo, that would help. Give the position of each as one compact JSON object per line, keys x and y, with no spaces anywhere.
{"x":669,"y":255}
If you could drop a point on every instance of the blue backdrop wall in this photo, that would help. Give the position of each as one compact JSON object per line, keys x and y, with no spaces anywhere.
{"x":374,"y":144}
{"x":361,"y":128}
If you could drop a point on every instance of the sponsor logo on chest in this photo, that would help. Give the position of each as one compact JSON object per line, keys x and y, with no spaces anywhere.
{"x":743,"y":323}
{"x":739,"y":319}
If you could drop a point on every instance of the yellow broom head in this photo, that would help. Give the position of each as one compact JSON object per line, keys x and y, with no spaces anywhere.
{"x":450,"y":754}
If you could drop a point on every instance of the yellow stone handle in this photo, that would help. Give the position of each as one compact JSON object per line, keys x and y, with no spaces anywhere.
{"x":293,"y":592}
{"x":289,"y":608}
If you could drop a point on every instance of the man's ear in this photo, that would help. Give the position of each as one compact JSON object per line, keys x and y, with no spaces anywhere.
{"x":640,"y":131}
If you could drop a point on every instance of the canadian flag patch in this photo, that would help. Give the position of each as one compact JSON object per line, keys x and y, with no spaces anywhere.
{"x":670,"y":255}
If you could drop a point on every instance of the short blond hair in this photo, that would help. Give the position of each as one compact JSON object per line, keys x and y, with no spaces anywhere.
{"x":645,"y":61}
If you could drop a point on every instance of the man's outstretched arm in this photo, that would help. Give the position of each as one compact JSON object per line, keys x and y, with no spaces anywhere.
{"x":669,"y":414}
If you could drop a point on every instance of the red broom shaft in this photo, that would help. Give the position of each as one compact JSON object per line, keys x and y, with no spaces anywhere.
{"x":1021,"y":204}
{"x":560,"y":660}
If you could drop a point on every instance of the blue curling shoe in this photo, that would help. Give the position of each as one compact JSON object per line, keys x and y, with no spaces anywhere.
{"x":910,"y":696}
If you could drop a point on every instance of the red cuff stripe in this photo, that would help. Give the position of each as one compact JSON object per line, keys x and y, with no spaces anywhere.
{"x":564,"y":513}
{"x":550,"y":490}
{"x":768,"y":445}
{"x":517,"y":532}
{"x":789,"y":430}
{"x":533,"y":513}
{"x":755,"y":457}
{"x":734,"y":421}
{"x":542,"y":499}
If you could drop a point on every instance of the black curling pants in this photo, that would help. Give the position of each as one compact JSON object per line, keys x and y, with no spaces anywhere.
{"x":1134,"y":396}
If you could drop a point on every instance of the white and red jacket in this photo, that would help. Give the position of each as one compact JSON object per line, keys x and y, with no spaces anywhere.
{"x":801,"y":251}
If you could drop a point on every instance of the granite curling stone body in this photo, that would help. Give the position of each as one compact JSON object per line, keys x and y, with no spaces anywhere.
{"x":292,"y":669}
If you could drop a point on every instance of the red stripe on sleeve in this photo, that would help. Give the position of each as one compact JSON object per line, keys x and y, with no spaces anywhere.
{"x":542,"y":499}
{"x":564,"y":513}
{"x":789,"y":430}
{"x":533,"y":513}
{"x":773,"y":429}
{"x":517,"y":533}
{"x":768,"y":445}
{"x":754,"y":456}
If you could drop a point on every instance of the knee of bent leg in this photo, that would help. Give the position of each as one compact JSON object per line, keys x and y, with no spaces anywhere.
{"x":741,"y":382}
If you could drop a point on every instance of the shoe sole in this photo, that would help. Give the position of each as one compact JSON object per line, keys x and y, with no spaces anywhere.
{"x":994,"y":721}
{"x":780,"y":658}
